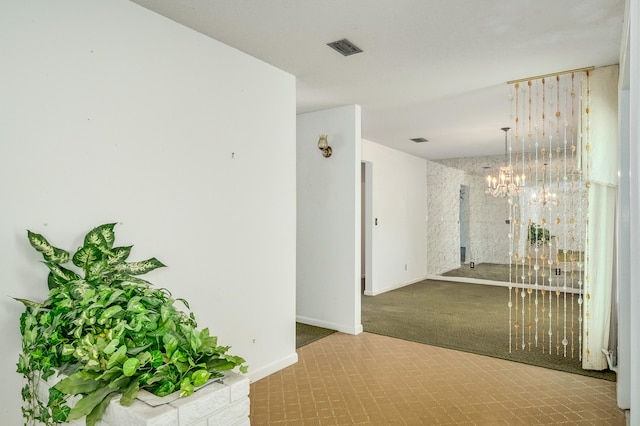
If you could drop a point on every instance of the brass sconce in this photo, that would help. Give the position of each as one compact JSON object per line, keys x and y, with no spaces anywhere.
{"x":323,"y":145}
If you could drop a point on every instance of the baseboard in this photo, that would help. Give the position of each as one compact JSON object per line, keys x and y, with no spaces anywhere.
{"x":255,"y":375}
{"x":396,"y":286}
{"x":487,"y":282}
{"x":354,"y":329}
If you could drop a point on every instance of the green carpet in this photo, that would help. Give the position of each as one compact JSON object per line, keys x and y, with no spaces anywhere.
{"x":467,"y":317}
{"x":306,"y":334}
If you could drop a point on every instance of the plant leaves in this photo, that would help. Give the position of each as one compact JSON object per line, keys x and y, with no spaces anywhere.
{"x":101,"y":236}
{"x":110,"y":312}
{"x":200,"y":377}
{"x":118,"y":358}
{"x":130,"y":393}
{"x":130,"y":366}
{"x":186,"y":387}
{"x":142,"y":267}
{"x":94,"y":416}
{"x":28,"y":303}
{"x":170,"y":343}
{"x":61,"y":274}
{"x":165,"y":389}
{"x":89,"y":402}
{"x":78,"y":383}
{"x":112,"y":346}
{"x":96,"y":269}
{"x":50,"y":253}
{"x":119,"y":255}
{"x":86,"y":255}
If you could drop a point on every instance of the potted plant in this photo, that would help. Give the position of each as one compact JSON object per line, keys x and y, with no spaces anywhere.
{"x":538,"y":235}
{"x":109,"y":332}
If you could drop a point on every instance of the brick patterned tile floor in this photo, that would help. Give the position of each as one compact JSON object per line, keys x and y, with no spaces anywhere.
{"x":370,"y":379}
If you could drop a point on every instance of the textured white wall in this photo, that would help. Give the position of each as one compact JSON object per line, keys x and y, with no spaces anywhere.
{"x":399,"y":196}
{"x":443,"y":211}
{"x":113,"y":113}
{"x":328,"y":220}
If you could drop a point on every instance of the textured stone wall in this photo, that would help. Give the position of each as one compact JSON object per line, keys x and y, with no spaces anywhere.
{"x":443,"y":212}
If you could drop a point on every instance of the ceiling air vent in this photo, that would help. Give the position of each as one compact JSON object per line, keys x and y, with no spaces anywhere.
{"x":419,"y":140}
{"x":345,"y":47}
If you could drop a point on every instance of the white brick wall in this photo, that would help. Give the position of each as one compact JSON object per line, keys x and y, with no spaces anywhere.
{"x":220,"y":403}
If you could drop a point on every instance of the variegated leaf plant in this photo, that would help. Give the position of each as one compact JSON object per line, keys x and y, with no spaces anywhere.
{"x":109,"y":332}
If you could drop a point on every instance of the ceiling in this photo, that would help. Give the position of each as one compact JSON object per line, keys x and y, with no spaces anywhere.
{"x":435,"y":69}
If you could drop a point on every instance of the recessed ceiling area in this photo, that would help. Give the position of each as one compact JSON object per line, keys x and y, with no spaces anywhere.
{"x":432,"y":67}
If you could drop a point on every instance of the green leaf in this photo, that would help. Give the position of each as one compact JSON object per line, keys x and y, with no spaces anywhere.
{"x":186,"y":387}
{"x":114,"y":296}
{"x":144,"y":358}
{"x":96,"y":414}
{"x":77,"y":383}
{"x":59,"y":414}
{"x":184,"y":302}
{"x":165,"y":389}
{"x":86,"y":255}
{"x":101,"y":236}
{"x":28,"y":303}
{"x":89,"y":402}
{"x":135,"y":305}
{"x":49,"y":252}
{"x":112,"y":346}
{"x":111,"y":374}
{"x":118,"y":358}
{"x":120,"y":383}
{"x":195,"y":341}
{"x":156,"y":358}
{"x":170,"y":343}
{"x":130,"y":366}
{"x":119,"y":255}
{"x":110,"y":312}
{"x":96,"y":269}
{"x":67,"y":349}
{"x":142,"y":267}
{"x":130,"y":393}
{"x":61,"y":274}
{"x":200,"y":377}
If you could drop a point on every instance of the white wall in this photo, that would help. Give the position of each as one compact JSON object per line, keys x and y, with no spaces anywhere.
{"x":113,"y":113}
{"x":328,"y":220}
{"x":399,"y":203}
{"x":443,"y":208}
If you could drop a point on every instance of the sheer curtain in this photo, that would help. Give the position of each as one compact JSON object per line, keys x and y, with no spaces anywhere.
{"x":602,"y":161}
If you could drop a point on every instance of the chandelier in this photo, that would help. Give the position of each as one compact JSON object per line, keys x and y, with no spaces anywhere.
{"x":506,"y":182}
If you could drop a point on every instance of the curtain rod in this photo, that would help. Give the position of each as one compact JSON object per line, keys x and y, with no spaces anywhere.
{"x":549,"y":75}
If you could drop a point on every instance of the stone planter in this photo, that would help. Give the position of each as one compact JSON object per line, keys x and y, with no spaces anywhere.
{"x":223,"y":402}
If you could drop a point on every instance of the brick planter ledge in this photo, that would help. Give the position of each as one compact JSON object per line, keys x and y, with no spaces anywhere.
{"x":221,"y":402}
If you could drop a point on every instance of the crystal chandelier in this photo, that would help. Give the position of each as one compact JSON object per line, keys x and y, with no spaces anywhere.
{"x":506,"y":182}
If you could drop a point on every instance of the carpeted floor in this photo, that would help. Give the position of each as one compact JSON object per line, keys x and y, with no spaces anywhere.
{"x":467,"y":317}
{"x":306,"y":334}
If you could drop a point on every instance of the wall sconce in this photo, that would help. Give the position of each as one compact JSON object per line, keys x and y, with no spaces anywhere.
{"x":323,"y":145}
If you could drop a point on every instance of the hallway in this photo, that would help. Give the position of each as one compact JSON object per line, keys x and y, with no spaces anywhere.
{"x":370,"y":379}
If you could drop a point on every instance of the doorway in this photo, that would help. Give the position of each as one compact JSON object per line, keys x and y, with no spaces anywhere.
{"x":366,"y":230}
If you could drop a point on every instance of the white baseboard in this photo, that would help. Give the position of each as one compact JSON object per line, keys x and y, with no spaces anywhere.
{"x":396,"y":286}
{"x":349,"y":329}
{"x":487,"y":282}
{"x":255,"y":375}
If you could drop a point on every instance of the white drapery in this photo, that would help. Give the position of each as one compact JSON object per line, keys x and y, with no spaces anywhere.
{"x":603,"y":176}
